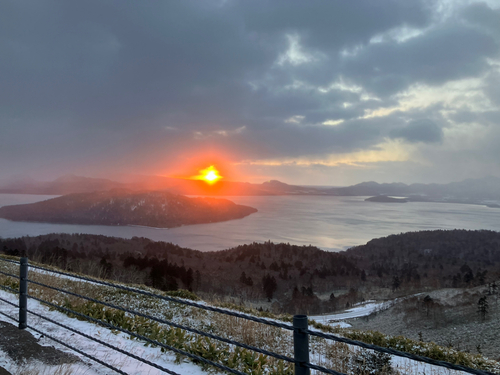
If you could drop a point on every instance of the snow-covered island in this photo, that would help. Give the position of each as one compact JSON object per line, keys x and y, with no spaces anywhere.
{"x":125,"y":207}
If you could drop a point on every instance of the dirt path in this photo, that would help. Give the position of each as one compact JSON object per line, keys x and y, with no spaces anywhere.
{"x":22,"y":347}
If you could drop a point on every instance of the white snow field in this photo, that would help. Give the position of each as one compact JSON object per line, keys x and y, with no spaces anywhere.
{"x":363,"y":309}
{"x":186,"y":316}
{"x":121,"y":361}
{"x":87,"y":366}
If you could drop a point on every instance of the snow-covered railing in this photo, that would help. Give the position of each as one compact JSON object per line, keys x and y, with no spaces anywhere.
{"x":299,"y":327}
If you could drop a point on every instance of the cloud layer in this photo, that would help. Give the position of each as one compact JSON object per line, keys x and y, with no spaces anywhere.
{"x":309,"y":92}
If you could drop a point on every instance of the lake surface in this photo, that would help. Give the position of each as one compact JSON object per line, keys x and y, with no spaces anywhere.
{"x":330,"y":223}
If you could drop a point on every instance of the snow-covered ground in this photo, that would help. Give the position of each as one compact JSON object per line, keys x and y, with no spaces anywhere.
{"x":363,"y":309}
{"x":366,"y":308}
{"x":167,"y":360}
{"x":87,"y":366}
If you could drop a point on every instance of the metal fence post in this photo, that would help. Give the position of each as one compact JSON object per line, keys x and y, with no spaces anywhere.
{"x":23,"y":293}
{"x":300,"y":344}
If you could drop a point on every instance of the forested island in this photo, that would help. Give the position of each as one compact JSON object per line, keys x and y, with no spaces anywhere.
{"x":125,"y":207}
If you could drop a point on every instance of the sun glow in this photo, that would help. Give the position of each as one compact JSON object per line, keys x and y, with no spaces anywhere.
{"x":210,"y":175}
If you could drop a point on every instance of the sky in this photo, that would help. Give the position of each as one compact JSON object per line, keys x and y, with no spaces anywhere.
{"x":306,"y":92}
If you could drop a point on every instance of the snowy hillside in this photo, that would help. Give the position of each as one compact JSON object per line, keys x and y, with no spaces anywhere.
{"x":339,"y":357}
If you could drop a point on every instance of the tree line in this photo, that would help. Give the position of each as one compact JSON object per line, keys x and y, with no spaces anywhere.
{"x":294,"y":278}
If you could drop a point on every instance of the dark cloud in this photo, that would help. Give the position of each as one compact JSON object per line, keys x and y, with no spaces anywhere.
{"x":419,"y":131}
{"x":118,"y":62}
{"x":492,"y":89}
{"x":485,"y":118}
{"x":480,"y":14}
{"x":331,"y":25}
{"x":449,"y":52}
{"x":109,"y":84}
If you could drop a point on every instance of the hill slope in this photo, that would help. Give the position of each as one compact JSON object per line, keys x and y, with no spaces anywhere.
{"x":305,"y":277}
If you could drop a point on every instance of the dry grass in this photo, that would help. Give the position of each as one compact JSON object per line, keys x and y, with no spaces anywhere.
{"x":251,"y":333}
{"x":323,"y":352}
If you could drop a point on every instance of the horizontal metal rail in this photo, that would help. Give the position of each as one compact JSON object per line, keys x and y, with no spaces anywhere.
{"x":302,"y":366}
{"x":77,"y":350}
{"x":398,"y":353}
{"x":172,"y":299}
{"x":60,"y":342}
{"x":140,"y":337}
{"x":9,"y":289}
{"x":102,"y":342}
{"x":9,"y":303}
{"x":9,"y":274}
{"x":171,"y":324}
{"x":9,"y":260}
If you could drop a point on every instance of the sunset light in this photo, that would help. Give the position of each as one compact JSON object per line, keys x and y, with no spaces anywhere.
{"x":210,"y":175}
{"x":323,"y":159}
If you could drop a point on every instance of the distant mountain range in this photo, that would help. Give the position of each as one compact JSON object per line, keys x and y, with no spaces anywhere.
{"x":483,"y":190}
{"x":76,"y":184}
{"x":68,"y":184}
{"x":125,"y":207}
{"x":487,"y":188}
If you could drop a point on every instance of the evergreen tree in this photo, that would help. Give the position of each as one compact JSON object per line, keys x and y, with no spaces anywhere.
{"x":246,"y":280}
{"x":482,"y":307}
{"x":269,"y":286}
{"x":396,"y":283}
{"x":428,"y":303}
{"x":188,"y":279}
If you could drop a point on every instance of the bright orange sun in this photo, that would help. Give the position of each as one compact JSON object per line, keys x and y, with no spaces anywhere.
{"x":209,"y":175}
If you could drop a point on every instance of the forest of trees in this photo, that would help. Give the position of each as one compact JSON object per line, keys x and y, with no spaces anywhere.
{"x":126,"y":207}
{"x":294,"y":278}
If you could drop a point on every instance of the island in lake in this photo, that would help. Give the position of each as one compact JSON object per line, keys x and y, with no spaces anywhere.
{"x":386,"y":199}
{"x":124,"y":207}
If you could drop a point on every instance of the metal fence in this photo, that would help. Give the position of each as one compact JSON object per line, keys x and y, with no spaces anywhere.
{"x":301,"y":332}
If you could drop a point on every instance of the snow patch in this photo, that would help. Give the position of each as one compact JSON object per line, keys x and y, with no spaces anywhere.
{"x":87,"y":366}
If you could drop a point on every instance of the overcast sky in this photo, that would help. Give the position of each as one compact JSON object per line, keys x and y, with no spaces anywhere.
{"x":307,"y":92}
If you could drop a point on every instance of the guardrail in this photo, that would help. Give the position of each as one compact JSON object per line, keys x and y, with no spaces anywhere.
{"x":301,"y":332}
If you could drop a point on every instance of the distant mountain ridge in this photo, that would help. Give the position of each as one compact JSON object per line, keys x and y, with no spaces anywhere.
{"x":487,"y":188}
{"x":125,"y":207}
{"x":68,"y":184}
{"x":467,"y":191}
